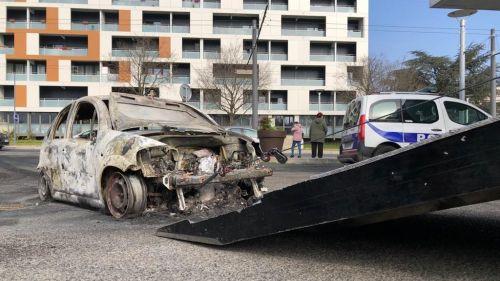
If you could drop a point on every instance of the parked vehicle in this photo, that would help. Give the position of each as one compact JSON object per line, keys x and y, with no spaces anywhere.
{"x":249,"y":132}
{"x":4,"y":140}
{"x":126,"y":153}
{"x":377,"y":124}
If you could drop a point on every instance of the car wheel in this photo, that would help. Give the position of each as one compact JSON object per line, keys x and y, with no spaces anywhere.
{"x":44,"y":189}
{"x":125,"y":195}
{"x":383,"y":149}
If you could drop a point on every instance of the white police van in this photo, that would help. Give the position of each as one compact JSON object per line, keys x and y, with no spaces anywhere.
{"x":377,"y":124}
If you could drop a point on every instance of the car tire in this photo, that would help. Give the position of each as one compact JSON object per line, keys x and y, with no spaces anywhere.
{"x":125,"y":195}
{"x":383,"y":149}
{"x":44,"y":187}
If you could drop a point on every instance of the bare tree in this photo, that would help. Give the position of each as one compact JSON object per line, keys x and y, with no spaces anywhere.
{"x":372,"y":77}
{"x":227,"y":82}
{"x":147,"y":70}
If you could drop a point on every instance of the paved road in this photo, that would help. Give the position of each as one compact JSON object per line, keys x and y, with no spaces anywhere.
{"x":57,"y":241}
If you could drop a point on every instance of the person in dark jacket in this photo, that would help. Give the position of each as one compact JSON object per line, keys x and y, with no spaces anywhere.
{"x":317,"y":133}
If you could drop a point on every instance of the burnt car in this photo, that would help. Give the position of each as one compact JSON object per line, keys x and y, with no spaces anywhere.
{"x":126,"y":154}
{"x":4,"y":140}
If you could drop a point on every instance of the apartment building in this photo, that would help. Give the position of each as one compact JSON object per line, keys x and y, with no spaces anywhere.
{"x":55,"y":51}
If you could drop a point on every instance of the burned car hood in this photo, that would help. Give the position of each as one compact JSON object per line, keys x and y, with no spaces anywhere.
{"x":133,"y":111}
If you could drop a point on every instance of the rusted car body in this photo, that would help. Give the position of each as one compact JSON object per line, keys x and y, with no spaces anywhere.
{"x":125,"y":153}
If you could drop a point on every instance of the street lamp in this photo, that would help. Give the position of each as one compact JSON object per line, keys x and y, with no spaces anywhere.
{"x":461,"y":15}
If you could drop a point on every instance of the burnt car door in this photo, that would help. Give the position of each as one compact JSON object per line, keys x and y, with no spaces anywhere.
{"x":54,"y":143}
{"x":79,"y":153}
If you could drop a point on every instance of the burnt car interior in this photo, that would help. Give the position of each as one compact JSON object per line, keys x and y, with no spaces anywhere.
{"x":86,"y":122}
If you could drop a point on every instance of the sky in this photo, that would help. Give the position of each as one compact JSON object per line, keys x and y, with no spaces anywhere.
{"x":398,"y":27}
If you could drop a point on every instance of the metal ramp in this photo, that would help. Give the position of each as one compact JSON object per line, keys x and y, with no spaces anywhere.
{"x":455,"y":169}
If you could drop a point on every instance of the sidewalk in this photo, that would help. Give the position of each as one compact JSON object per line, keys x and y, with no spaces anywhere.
{"x":306,"y":159}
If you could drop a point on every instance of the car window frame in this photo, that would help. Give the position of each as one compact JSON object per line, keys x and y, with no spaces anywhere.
{"x":403,"y":110}
{"x":74,"y":111}
{"x":375,"y":120}
{"x":466,"y":105}
{"x":57,"y":122}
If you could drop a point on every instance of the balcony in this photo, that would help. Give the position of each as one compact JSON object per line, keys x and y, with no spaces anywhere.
{"x":238,"y":25}
{"x":321,"y":51}
{"x":37,"y":25}
{"x":11,"y":76}
{"x":16,"y":24}
{"x":87,"y":26}
{"x":254,"y":4}
{"x":211,"y":55}
{"x":146,"y":3}
{"x":303,"y":26}
{"x":355,"y":33}
{"x":321,"y":107}
{"x":302,"y":76}
{"x":346,"y":6}
{"x":54,"y":102}
{"x":67,"y":51}
{"x":180,"y":28}
{"x":181,"y":79}
{"x":346,"y":52}
{"x":190,"y":54}
{"x":6,"y":102}
{"x":38,"y":77}
{"x":323,"y":6}
{"x":64,"y":1}
{"x":156,"y":27}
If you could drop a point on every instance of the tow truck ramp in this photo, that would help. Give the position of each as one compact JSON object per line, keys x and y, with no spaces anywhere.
{"x":456,"y":169}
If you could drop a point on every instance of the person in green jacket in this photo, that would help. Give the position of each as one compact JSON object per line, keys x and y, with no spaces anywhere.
{"x":317,"y":133}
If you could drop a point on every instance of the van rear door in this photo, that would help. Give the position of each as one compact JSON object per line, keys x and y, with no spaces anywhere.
{"x":422,"y":119}
{"x":350,"y":140}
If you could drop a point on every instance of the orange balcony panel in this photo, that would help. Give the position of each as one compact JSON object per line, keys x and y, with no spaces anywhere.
{"x":165,"y":47}
{"x":124,"y":71}
{"x":52,"y":18}
{"x":52,"y":70}
{"x":19,"y":43}
{"x":21,"y":96}
{"x":124,"y":20}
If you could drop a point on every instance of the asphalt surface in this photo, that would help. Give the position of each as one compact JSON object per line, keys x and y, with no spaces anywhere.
{"x":57,"y":241}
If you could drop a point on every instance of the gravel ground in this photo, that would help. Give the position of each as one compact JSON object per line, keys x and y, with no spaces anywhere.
{"x":56,"y":241}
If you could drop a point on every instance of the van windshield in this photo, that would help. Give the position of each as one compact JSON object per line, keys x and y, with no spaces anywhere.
{"x":352,"y":114}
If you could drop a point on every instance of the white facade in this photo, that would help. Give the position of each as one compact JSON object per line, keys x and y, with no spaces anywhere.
{"x":316,"y":42}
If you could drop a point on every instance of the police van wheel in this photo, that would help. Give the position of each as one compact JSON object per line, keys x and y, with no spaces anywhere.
{"x":383,"y":149}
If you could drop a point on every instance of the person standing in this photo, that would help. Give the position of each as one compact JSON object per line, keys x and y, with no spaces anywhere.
{"x":297,"y":132}
{"x":317,"y":133}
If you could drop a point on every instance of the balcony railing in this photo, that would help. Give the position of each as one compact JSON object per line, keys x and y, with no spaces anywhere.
{"x":85,"y":77}
{"x":211,"y":4}
{"x":279,"y":7}
{"x":17,"y":24}
{"x":279,"y":56}
{"x":181,"y":79}
{"x":303,"y":32}
{"x":302,"y":82}
{"x":37,"y":25}
{"x":130,"y":52}
{"x":210,"y":106}
{"x":195,"y":104}
{"x":322,"y":8}
{"x":84,"y":26}
{"x":6,"y":50}
{"x":211,"y":55}
{"x":321,"y":107}
{"x":341,"y":106}
{"x":63,"y":52}
{"x":254,"y":6}
{"x":55,"y":102}
{"x":315,"y":57}
{"x":346,"y":58}
{"x":111,"y":77}
{"x":180,"y":29}
{"x":190,"y":55}
{"x":243,"y":30}
{"x":6,"y":102}
{"x":16,"y":76}
{"x":64,"y":1}
{"x":148,"y":3}
{"x":158,"y":79}
{"x":155,"y":28}
{"x":190,"y":4}
{"x":38,"y":77}
{"x":261,"y":56}
{"x":278,"y":106}
{"x":355,"y":33}
{"x":346,"y":9}
{"x":110,"y":27}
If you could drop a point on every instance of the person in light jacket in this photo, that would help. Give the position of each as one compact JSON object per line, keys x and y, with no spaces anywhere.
{"x":297,"y":132}
{"x":317,"y":133}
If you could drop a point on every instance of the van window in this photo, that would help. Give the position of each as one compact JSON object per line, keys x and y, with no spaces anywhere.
{"x":386,"y":111}
{"x":352,"y":114}
{"x":420,"y":111}
{"x":463,"y":114}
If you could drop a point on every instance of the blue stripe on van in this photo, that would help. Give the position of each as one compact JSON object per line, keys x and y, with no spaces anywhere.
{"x":399,"y":136}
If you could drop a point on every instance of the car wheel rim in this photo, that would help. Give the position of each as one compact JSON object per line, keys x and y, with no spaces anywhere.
{"x":43,"y":188}
{"x":117,"y":195}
